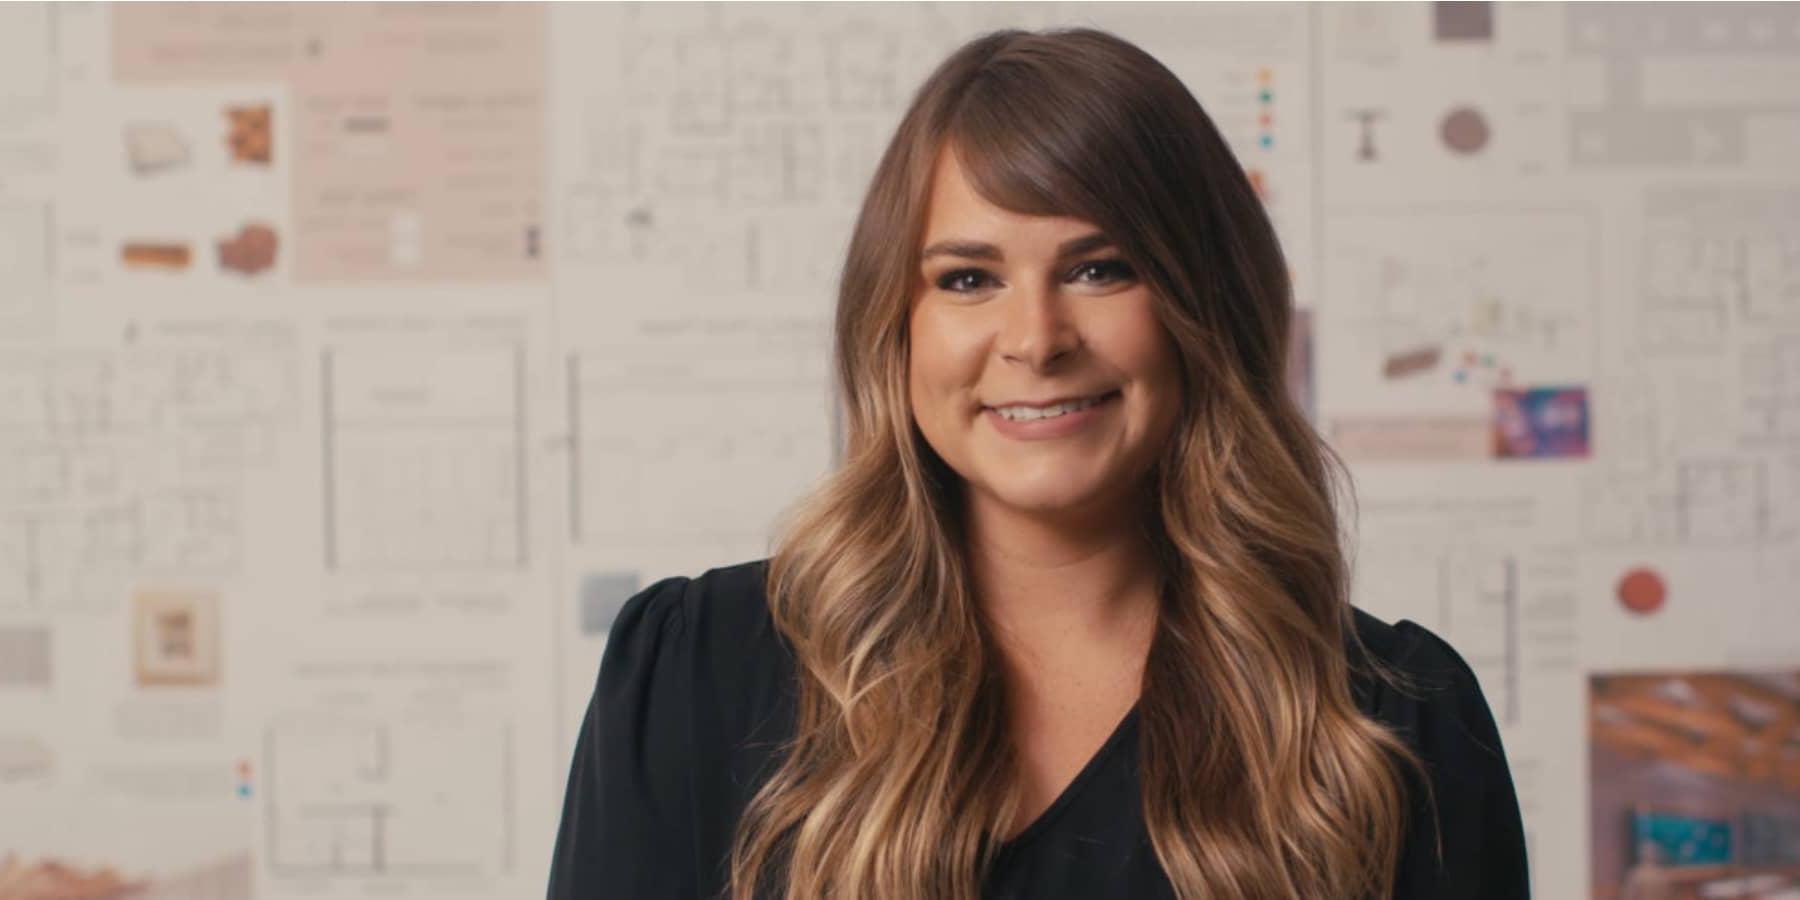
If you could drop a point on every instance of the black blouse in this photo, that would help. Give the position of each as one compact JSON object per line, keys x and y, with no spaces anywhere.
{"x":695,"y":692}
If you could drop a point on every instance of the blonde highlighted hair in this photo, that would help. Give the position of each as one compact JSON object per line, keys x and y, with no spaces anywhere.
{"x":1261,"y":777}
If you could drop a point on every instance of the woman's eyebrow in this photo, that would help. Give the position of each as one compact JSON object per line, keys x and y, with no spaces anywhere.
{"x":979,"y":250}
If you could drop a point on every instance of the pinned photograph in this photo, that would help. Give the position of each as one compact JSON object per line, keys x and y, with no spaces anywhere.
{"x":1696,"y":787}
{"x":1548,"y":422}
{"x":175,"y":639}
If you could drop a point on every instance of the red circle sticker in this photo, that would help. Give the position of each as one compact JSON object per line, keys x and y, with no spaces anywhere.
{"x":1642,"y":591}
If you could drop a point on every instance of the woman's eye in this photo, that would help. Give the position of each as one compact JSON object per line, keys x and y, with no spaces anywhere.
{"x":1108,"y":270}
{"x":1099,"y":271}
{"x":961,"y":280}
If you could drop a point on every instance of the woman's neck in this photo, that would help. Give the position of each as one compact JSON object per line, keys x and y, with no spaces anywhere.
{"x":1061,"y":597}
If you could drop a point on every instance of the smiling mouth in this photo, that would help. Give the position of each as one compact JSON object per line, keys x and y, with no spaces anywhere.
{"x":1026,"y":413}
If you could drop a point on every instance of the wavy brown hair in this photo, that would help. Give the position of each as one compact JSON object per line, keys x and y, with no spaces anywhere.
{"x":1261,"y":777}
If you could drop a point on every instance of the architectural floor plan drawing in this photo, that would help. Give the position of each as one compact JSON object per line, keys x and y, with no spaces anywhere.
{"x":371,"y":797}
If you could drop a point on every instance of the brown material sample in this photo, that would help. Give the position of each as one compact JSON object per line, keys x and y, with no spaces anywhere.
{"x":1411,"y":362}
{"x":154,"y":255}
{"x":250,"y":251}
{"x":252,"y":136}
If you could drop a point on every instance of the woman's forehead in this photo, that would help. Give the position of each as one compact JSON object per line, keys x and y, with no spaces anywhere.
{"x":957,"y":211}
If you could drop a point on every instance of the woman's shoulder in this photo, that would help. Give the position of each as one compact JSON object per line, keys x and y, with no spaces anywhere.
{"x":1430,"y":680}
{"x":714,"y":630}
{"x":1466,"y":835}
{"x":718,"y":606}
{"x":687,"y":672}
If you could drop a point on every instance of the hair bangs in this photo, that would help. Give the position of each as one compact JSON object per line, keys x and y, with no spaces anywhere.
{"x":1024,"y":149}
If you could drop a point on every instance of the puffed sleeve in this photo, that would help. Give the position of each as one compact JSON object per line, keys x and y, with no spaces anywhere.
{"x":1466,"y":839}
{"x":627,"y":829}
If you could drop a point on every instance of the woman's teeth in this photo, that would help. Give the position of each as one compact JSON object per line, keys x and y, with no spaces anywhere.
{"x":1031,"y":413}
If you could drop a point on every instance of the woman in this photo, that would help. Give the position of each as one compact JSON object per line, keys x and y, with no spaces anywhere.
{"x":1021,"y":647}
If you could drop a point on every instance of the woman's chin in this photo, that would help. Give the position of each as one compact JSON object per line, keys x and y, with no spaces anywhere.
{"x":1050,"y":500}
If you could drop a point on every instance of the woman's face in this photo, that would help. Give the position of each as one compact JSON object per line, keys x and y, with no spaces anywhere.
{"x":1014,"y":314}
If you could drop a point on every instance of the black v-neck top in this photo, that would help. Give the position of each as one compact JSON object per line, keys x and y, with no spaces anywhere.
{"x":695,"y":692}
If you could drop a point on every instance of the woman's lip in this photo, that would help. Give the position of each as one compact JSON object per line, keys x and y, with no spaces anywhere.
{"x":1101,"y":396}
{"x":1055,"y":427}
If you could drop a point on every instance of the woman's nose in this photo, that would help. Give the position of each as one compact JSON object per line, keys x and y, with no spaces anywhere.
{"x":1037,"y":329}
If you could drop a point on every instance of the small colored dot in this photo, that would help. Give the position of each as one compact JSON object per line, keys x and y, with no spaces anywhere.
{"x":1642,"y":591}
{"x":1268,"y":140}
{"x":1266,"y":95}
{"x":243,"y":790}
